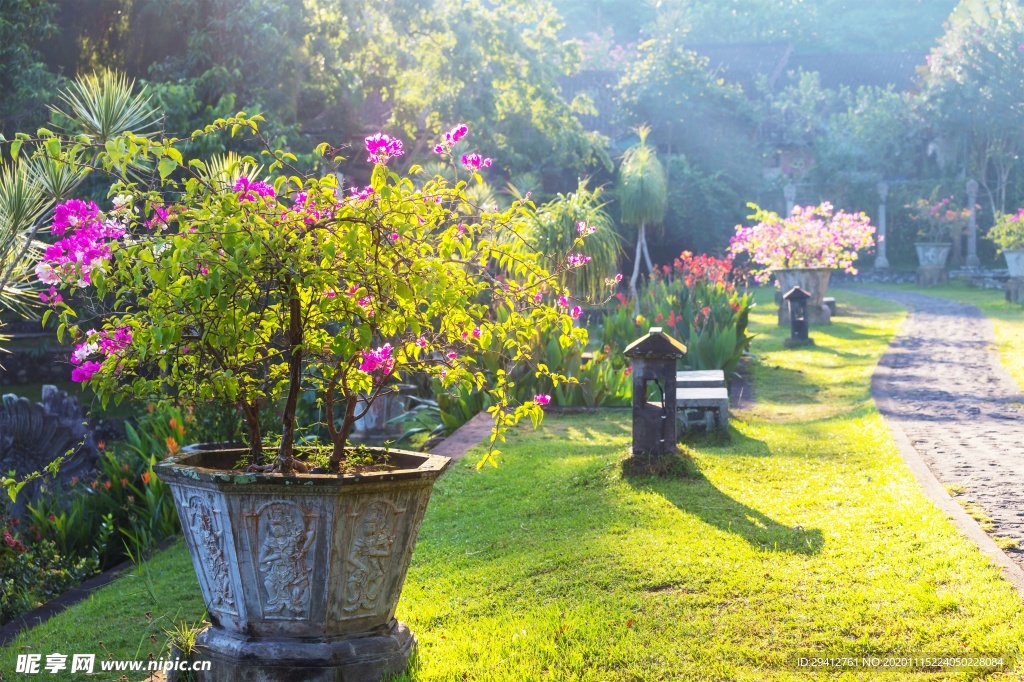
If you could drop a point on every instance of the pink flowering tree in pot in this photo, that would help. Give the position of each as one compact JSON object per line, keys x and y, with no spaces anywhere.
{"x":253,"y":291}
{"x":803,"y":250}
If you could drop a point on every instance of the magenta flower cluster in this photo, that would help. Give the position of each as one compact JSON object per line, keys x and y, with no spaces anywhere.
{"x":84,"y":248}
{"x":475,"y":162}
{"x":379,"y":359}
{"x":104,"y":343}
{"x":383,"y":148}
{"x":576,"y":260}
{"x":450,"y":138}
{"x":253,"y":190}
{"x":813,"y":237}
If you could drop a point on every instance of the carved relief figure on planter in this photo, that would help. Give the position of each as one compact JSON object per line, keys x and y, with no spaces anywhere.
{"x":368,"y":561}
{"x":252,"y":290}
{"x":803,"y":250}
{"x":284,"y":559}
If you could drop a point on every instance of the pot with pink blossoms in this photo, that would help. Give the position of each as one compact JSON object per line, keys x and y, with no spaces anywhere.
{"x":249,"y":290}
{"x":803,"y":250}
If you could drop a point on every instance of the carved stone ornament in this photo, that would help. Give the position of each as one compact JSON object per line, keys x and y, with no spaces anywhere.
{"x":32,"y":435}
{"x":369,"y":559}
{"x":285,"y":534}
{"x":209,"y":540}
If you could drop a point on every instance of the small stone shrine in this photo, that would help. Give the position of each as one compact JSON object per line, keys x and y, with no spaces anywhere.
{"x":654,"y":357}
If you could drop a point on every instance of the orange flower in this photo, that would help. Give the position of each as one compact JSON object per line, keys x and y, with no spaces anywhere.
{"x":150,"y":407}
{"x":124,"y":482}
{"x":173,"y":423}
{"x":106,"y":485}
{"x":172,"y":445}
{"x":102,"y":445}
{"x":146,"y":476}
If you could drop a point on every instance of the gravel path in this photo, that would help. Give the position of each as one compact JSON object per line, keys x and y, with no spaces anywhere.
{"x":958,"y":406}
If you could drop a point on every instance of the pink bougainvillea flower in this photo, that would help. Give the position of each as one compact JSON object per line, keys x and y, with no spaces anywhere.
{"x":585,"y":229}
{"x":576,"y":260}
{"x":252,"y":190}
{"x":563,"y":301}
{"x":475,"y":162}
{"x":542,"y":399}
{"x":476,"y":332}
{"x":379,"y":359}
{"x":576,"y":312}
{"x":85,"y":372}
{"x":449,"y":139}
{"x":383,"y":148}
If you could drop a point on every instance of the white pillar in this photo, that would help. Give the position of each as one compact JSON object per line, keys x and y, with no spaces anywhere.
{"x":789,"y":191}
{"x":881,"y":262}
{"x":972,"y":225}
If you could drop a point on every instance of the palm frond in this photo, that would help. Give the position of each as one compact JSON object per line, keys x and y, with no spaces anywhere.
{"x":224,"y":170}
{"x":57,"y":178}
{"x":22,"y":204}
{"x":642,"y":190}
{"x":102,"y":105}
{"x":554,"y":230}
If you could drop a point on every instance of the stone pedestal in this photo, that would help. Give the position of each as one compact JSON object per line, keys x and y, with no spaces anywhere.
{"x":1015,"y":290}
{"x":368,"y":658}
{"x":932,"y":276}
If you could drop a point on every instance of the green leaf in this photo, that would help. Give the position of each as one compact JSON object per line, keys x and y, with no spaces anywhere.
{"x":166,"y":166}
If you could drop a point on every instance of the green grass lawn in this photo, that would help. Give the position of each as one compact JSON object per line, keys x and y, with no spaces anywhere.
{"x":805,"y":535}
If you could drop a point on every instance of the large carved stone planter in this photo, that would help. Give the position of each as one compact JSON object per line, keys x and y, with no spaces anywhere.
{"x":301,"y":574}
{"x":1015,"y":262}
{"x":1015,"y":285}
{"x":812,"y":280}
{"x":931,"y":259}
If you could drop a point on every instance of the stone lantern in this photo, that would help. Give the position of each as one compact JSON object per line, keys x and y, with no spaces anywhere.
{"x":797,"y":300}
{"x":654,"y":357}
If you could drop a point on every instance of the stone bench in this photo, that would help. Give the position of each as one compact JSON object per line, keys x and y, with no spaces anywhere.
{"x":703,"y":407}
{"x":831,"y":303}
{"x":705,"y":378}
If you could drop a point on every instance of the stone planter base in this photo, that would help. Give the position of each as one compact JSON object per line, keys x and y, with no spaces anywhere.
{"x":932,"y":276}
{"x":1015,"y":290}
{"x":369,"y":658}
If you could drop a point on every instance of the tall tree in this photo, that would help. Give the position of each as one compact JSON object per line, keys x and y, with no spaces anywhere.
{"x":25,"y":83}
{"x":642,"y":198}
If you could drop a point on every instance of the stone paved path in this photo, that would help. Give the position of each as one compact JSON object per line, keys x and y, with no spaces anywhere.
{"x":958,"y":406}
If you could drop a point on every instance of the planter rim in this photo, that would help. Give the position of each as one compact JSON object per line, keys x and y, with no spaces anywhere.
{"x":188,"y":465}
{"x":818,"y":269}
{"x":1019,"y":249}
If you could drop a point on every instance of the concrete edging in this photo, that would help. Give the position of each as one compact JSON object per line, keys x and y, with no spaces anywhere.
{"x":931,"y":486}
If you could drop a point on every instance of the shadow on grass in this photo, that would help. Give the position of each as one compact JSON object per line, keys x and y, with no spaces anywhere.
{"x":697,"y":496}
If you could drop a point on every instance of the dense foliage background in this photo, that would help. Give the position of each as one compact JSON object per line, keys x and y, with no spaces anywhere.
{"x":554,"y":88}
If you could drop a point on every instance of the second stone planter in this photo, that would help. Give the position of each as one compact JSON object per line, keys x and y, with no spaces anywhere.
{"x":812,"y":280}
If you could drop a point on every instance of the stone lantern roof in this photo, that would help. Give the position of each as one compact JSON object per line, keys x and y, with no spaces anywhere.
{"x":796,"y":294}
{"x":655,"y":344}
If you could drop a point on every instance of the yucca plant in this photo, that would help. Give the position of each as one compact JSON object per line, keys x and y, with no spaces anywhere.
{"x":103,"y":105}
{"x":99,"y":106}
{"x":224,"y":170}
{"x":642,"y":197}
{"x":22,"y":204}
{"x":554,"y":229}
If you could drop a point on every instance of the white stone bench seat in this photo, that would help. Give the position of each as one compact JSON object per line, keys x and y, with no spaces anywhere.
{"x":705,"y":378}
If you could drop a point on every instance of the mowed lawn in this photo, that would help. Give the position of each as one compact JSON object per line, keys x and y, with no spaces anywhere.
{"x":804,"y":536}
